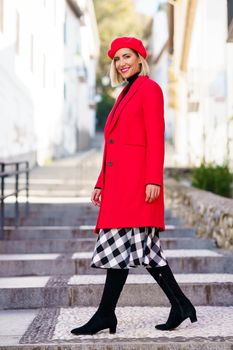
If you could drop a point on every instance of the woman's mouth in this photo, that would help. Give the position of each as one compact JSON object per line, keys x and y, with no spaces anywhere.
{"x":124,"y":70}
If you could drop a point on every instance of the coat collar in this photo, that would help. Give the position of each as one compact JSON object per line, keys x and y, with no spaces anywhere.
{"x":113,"y":117}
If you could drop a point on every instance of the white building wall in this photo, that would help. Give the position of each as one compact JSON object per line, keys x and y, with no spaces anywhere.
{"x":202,"y":130}
{"x":31,"y":78}
{"x":229,"y":55}
{"x":81,"y":52}
{"x":208,"y":61}
{"x":16,"y":104}
{"x":159,"y":71}
{"x":72,"y":57}
{"x":35,"y":123}
{"x":90,"y":49}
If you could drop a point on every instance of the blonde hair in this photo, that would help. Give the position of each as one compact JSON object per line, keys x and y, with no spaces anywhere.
{"x":116,"y":78}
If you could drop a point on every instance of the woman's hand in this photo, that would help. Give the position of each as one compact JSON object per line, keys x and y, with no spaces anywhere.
{"x":96,"y":196}
{"x":152,"y":192}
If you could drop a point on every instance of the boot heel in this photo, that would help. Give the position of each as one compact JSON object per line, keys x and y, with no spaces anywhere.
{"x":193,"y":318}
{"x":112,"y":330}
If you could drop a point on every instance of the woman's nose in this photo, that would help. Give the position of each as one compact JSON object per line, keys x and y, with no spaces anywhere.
{"x":122,"y":63}
{"x":122,"y":66}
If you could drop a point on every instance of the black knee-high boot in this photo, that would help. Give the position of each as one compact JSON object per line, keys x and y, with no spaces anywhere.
{"x":181,"y":306}
{"x":105,"y":316}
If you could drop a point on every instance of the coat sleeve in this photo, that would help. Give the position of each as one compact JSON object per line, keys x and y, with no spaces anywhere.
{"x":99,"y":182}
{"x":153,"y":113}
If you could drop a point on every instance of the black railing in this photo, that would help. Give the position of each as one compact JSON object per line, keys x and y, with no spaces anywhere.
{"x":13,"y":169}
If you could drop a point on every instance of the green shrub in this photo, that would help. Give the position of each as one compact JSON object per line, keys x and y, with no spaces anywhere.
{"x":103,"y":109}
{"x":214,"y":178}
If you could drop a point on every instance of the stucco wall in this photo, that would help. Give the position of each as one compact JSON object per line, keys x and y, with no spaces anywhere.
{"x":210,"y":214}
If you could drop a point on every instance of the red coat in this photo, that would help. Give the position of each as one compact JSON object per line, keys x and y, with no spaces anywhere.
{"x":133,"y":157}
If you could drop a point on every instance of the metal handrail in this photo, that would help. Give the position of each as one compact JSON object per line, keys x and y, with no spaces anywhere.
{"x":3,"y":175}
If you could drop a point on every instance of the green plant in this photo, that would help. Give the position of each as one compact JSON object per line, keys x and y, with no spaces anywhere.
{"x":177,"y":176}
{"x":103,"y":108}
{"x":214,"y":178}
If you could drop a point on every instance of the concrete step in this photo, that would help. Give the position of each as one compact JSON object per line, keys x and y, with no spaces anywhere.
{"x":68,"y":191}
{"x":77,"y":290}
{"x":69,"y":212}
{"x":84,"y":207}
{"x":69,"y":216}
{"x":66,"y":220}
{"x":56,"y":207}
{"x":54,"y":185}
{"x":181,"y":260}
{"x":87,"y":244}
{"x":49,"y":328}
{"x":81,"y":231}
{"x":63,"y":214}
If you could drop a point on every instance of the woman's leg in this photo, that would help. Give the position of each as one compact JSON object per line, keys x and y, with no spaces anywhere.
{"x":181,"y":306}
{"x":105,"y":316}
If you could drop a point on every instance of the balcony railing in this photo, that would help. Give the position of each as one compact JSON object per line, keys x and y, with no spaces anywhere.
{"x":13,"y":169}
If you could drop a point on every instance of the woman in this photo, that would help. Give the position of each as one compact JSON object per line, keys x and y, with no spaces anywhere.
{"x":129,"y":190}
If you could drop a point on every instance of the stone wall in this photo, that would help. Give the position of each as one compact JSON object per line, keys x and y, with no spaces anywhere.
{"x":210,"y":214}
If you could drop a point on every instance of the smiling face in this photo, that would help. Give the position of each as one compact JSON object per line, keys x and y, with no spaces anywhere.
{"x":126,"y":62}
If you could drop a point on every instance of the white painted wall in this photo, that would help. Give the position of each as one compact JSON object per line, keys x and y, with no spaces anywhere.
{"x":34,"y":78}
{"x":91,"y":50}
{"x":159,"y":71}
{"x":35,"y":122}
{"x":229,"y":74}
{"x":204,"y":133}
{"x":208,"y":61}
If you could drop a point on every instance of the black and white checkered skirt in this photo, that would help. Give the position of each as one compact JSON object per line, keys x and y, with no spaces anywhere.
{"x":127,"y":248}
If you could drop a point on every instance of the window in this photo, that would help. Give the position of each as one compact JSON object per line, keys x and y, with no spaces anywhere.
{"x":1,"y":15}
{"x":64,"y":91}
{"x":54,"y":79}
{"x":17,"y":42}
{"x":44,"y":71}
{"x":55,"y":11}
{"x":230,"y":20}
{"x":32,"y":53}
{"x":65,"y":29}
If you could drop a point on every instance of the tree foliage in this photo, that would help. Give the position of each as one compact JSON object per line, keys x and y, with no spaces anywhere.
{"x":116,"y":18}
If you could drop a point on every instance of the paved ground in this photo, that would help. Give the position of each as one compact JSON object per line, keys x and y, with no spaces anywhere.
{"x":47,"y":286}
{"x":135,"y":328}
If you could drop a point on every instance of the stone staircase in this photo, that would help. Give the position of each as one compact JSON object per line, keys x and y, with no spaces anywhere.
{"x":47,"y":287}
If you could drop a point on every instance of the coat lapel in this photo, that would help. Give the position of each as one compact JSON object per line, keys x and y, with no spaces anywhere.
{"x":111,"y":113}
{"x":115,"y":112}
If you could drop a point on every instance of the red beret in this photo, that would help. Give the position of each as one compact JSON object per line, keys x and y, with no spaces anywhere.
{"x":130,"y":42}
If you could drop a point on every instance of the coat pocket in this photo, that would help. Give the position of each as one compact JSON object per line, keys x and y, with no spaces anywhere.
{"x":134,"y":144}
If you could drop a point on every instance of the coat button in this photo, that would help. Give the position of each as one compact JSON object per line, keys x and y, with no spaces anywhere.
{"x":111,"y":141}
{"x":110,"y":163}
